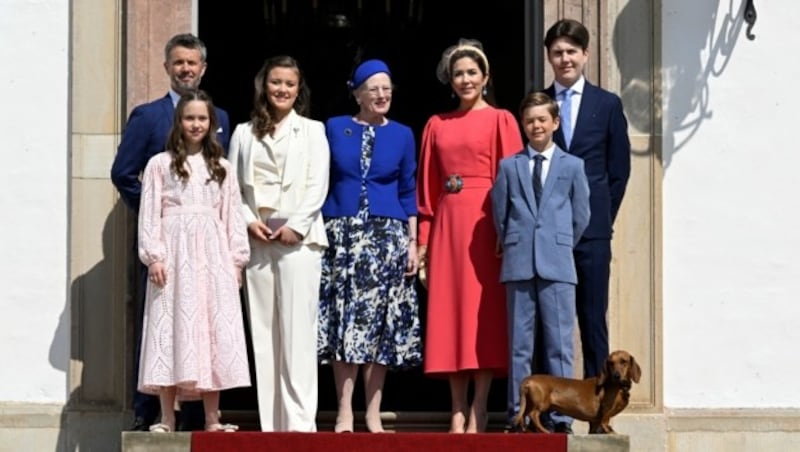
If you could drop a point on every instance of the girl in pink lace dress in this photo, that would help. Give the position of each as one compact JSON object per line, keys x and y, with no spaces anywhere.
{"x":194,"y":242}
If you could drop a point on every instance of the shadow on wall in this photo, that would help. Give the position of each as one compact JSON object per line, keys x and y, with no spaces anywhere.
{"x":703,"y":51}
{"x":91,"y":419}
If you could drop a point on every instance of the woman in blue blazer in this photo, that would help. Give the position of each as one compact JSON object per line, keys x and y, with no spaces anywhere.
{"x":368,"y":304}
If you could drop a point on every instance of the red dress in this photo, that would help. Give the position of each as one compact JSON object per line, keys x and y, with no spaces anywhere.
{"x":466,"y":321}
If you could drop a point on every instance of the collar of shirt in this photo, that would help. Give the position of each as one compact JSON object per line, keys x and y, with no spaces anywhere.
{"x":548,"y":157}
{"x":547,"y":153}
{"x":576,"y":87}
{"x":175,"y":97}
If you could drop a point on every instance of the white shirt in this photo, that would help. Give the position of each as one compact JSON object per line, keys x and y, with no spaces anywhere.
{"x":548,"y":156}
{"x":577,"y":92}
{"x":175,"y":97}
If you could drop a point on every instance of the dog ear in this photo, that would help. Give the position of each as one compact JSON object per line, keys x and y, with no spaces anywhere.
{"x":635,"y":370}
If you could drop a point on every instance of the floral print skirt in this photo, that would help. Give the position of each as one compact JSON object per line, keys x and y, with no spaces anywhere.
{"x":368,"y":311}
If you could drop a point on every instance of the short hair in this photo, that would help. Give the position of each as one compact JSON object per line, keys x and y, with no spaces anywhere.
{"x":569,"y":29}
{"x":538,"y":98}
{"x":188,"y":41}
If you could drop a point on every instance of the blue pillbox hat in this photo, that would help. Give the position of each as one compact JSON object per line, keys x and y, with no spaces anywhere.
{"x":366,"y":70}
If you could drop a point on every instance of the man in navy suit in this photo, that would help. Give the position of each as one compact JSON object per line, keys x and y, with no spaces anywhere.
{"x":540,"y":206}
{"x":145,"y":135}
{"x":594,"y":128}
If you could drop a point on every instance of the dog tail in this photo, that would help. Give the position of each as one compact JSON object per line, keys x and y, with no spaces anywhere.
{"x":519,"y":419}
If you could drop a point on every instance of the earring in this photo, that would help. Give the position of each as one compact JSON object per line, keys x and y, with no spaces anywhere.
{"x":452,"y":95}
{"x":485,"y":91}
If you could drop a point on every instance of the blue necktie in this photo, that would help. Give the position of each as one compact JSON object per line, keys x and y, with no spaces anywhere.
{"x":566,"y":115}
{"x":537,"y":178}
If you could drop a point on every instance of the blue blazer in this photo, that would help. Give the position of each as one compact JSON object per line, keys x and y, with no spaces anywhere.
{"x":538,"y":240}
{"x":600,"y":138}
{"x":390,"y":181}
{"x":146,"y":135}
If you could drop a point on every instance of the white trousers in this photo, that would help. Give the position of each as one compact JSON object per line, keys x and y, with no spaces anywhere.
{"x":283,"y":296}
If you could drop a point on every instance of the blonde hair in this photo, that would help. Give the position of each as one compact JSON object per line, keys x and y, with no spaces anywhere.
{"x":471,"y":48}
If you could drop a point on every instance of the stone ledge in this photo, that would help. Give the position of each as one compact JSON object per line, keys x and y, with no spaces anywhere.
{"x":30,"y":415}
{"x":156,"y":442}
{"x":733,"y":420}
{"x":598,"y":443}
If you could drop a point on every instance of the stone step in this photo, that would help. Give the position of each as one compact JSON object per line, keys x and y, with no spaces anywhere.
{"x":181,"y":442}
{"x":400,"y":422}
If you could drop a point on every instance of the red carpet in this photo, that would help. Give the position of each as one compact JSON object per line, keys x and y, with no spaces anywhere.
{"x":368,"y":442}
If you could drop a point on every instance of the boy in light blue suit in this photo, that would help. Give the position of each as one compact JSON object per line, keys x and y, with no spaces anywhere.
{"x":540,"y":203}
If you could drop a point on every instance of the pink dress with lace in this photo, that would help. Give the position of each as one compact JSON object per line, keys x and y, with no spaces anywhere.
{"x":193,"y":335}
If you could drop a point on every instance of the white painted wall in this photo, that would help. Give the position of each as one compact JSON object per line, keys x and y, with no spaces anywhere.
{"x":34,"y":112}
{"x":731,"y":221}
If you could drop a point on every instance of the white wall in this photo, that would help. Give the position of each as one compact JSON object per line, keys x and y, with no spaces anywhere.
{"x":34,"y":83}
{"x":731,"y":221}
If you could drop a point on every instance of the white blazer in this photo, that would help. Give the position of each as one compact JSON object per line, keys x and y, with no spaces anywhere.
{"x":305,"y":174}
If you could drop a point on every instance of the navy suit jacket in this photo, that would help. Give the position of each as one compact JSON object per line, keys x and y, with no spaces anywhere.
{"x":145,"y":135}
{"x":390,"y":181}
{"x":600,"y":138}
{"x":538,"y":240}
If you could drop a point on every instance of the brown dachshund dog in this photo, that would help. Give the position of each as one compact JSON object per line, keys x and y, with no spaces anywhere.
{"x":595,"y":400}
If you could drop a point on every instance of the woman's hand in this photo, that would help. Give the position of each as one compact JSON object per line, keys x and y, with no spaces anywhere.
{"x":286,"y":236}
{"x":422,"y":258}
{"x":259,"y":231}
{"x":412,"y":266}
{"x":157,"y":274}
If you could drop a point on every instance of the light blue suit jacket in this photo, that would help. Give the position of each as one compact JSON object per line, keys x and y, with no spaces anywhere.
{"x":538,"y":240}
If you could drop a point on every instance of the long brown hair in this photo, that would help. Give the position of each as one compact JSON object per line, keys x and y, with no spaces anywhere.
{"x":212,"y":150}
{"x":263,"y":114}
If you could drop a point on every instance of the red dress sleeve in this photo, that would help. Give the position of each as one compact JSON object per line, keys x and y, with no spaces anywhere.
{"x":509,"y":139}
{"x":429,"y":181}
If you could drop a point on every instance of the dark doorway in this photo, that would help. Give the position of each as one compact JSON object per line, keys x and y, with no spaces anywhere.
{"x":328,"y":38}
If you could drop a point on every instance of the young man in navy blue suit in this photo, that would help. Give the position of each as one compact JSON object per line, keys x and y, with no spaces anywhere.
{"x":540,"y":206}
{"x":594,"y":128}
{"x":146,"y":135}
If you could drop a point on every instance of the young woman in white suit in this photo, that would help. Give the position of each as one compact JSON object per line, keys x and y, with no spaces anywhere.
{"x":282,"y":162}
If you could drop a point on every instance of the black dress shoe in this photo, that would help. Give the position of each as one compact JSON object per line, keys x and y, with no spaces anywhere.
{"x":562,"y":427}
{"x":513,"y":427}
{"x":139,"y":425}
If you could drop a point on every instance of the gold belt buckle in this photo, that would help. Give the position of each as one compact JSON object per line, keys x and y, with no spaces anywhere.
{"x":454,"y":183}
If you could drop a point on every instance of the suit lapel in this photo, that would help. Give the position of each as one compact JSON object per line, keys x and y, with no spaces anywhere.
{"x":294,"y":157}
{"x":558,"y":135}
{"x":552,"y":173}
{"x":525,"y":179}
{"x":168,"y":112}
{"x":167,"y":109}
{"x":246,"y":156}
{"x":585,"y":111}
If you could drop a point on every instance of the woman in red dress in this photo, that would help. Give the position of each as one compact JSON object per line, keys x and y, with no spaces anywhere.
{"x":466,"y":322}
